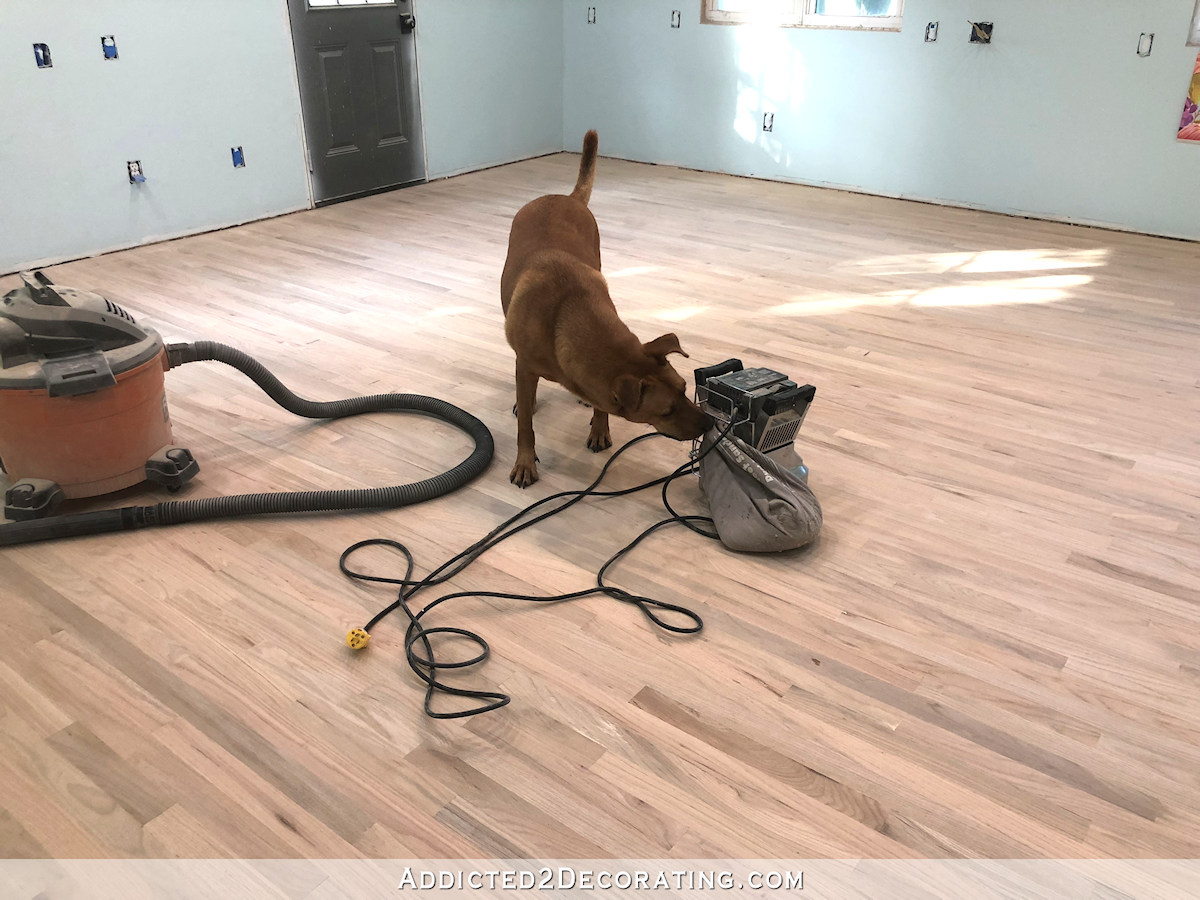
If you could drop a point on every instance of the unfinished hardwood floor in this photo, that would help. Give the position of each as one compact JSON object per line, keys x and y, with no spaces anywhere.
{"x":992,"y":651}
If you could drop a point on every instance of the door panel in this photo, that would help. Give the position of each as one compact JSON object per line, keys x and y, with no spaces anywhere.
{"x":338,"y":101}
{"x":389,"y":106}
{"x":358,"y":90}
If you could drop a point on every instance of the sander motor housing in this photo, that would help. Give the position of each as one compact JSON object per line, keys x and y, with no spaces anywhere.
{"x":765,"y":407}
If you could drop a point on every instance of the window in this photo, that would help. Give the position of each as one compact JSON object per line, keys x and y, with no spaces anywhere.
{"x":878,"y":15}
{"x":1194,"y":34}
{"x":319,"y":3}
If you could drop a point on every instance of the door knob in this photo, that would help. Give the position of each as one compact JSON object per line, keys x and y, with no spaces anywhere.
{"x":408,"y":23}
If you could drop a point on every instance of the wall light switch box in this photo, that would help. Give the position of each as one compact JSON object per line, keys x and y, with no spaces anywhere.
{"x":676,"y":18}
{"x":591,"y":15}
{"x":239,"y":158}
{"x":108,"y":44}
{"x":931,"y":32}
{"x":41,"y":55}
{"x":136,"y":175}
{"x":768,"y":121}
{"x":1145,"y":42}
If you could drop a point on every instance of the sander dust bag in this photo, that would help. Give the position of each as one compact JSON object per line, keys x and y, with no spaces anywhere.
{"x":756,"y":504}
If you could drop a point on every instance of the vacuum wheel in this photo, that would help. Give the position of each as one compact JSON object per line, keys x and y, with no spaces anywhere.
{"x":172,"y":467}
{"x":32,"y":498}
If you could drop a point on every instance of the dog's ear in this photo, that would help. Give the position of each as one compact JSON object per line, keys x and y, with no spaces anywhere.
{"x":662,"y":345}
{"x":628,"y":391}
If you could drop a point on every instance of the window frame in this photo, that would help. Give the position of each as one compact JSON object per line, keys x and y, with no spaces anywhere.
{"x":1194,"y":32}
{"x":803,"y":15}
{"x":710,"y":15}
{"x":347,"y":4}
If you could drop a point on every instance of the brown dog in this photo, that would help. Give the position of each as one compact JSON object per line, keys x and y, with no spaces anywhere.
{"x":562,"y":324}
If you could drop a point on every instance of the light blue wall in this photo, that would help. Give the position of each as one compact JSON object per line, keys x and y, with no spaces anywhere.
{"x":1058,"y":118}
{"x":193,"y":79}
{"x":491,"y":75}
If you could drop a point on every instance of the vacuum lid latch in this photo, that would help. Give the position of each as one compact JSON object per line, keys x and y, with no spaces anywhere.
{"x":83,"y":373}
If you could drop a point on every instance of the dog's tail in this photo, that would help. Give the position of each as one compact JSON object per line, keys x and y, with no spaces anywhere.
{"x":587,"y":168}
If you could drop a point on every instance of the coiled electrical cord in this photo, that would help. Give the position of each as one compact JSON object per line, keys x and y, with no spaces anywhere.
{"x":424,"y":663}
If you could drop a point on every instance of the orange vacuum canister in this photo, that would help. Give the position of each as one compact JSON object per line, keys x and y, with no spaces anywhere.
{"x":83,"y":409}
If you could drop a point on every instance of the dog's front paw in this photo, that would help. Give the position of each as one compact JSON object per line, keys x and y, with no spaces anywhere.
{"x":525,"y":472}
{"x":599,"y":439}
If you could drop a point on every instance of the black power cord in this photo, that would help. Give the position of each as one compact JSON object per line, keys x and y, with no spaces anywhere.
{"x":426,"y":666}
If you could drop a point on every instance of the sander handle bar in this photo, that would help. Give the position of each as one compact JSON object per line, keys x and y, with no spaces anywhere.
{"x":716,"y":371}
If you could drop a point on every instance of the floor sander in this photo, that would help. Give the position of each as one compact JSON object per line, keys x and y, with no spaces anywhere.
{"x":83,"y":413}
{"x":760,"y":407}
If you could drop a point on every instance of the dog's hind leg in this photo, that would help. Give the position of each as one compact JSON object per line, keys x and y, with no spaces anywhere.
{"x":524,"y":472}
{"x":599,"y":437}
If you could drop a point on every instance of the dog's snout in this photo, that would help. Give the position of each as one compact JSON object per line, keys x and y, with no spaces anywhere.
{"x":694,"y":425}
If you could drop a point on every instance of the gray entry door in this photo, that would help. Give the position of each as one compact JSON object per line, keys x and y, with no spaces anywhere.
{"x":357,"y":69}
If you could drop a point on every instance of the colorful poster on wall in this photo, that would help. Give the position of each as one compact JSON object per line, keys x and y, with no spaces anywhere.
{"x":1189,"y":125}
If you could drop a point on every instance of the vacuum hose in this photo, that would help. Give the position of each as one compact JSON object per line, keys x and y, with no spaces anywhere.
{"x":180,"y":511}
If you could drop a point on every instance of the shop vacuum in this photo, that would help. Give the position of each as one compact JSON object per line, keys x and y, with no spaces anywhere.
{"x":83,"y":412}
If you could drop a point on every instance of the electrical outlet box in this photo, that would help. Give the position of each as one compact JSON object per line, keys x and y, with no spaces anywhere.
{"x":981,"y":32}
{"x":136,"y":175}
{"x":768,"y":121}
{"x":591,"y":15}
{"x":931,"y":32}
{"x":108,"y":44}
{"x":1145,"y":42}
{"x":41,"y":55}
{"x":676,"y":18}
{"x":239,"y":158}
